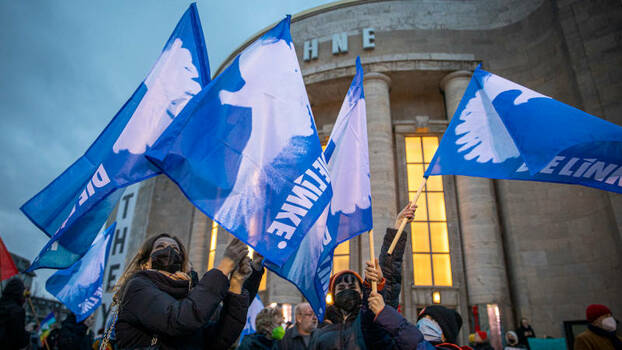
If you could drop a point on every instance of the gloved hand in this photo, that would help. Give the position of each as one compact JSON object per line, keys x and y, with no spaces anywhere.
{"x":257,"y":262}
{"x":244,"y":270}
{"x":236,"y":251}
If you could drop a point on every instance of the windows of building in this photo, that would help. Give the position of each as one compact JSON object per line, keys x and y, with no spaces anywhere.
{"x":341,"y":257}
{"x":430,"y":243}
{"x":212,"y":246}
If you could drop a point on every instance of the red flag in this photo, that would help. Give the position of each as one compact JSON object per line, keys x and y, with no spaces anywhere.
{"x":7,"y":265}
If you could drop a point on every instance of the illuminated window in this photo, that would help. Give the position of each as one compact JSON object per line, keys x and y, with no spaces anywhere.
{"x":212,"y":246}
{"x":341,"y":257}
{"x":430,"y":244}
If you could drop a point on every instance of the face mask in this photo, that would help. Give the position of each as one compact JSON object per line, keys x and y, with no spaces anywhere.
{"x":278,"y":333}
{"x":430,"y":329}
{"x":348,"y":300}
{"x":166,"y":259}
{"x":609,"y":324}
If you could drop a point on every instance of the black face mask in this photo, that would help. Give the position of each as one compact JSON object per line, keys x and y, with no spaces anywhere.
{"x":166,"y":259}
{"x":348,"y":300}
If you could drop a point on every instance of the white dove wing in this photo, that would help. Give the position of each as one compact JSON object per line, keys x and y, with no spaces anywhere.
{"x":483,"y":134}
{"x":170,"y":85}
{"x":279,"y":113}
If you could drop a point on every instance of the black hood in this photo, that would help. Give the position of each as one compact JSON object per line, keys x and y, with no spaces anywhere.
{"x":449,"y":320}
{"x":14,"y":290}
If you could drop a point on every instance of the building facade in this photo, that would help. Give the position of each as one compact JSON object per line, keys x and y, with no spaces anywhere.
{"x":499,"y":249}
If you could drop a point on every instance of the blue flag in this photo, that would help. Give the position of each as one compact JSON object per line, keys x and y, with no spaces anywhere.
{"x":80,"y":286}
{"x":251,"y":315}
{"x":347,"y":157}
{"x":502,"y":130}
{"x":246,"y":152}
{"x":76,"y":204}
{"x":349,"y":212}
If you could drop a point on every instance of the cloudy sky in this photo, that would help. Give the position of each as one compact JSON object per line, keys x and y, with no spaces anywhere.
{"x":67,"y":66}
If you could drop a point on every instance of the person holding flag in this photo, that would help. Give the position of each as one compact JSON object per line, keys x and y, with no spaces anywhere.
{"x":359,"y":325}
{"x":158,"y":305}
{"x":364,"y":320}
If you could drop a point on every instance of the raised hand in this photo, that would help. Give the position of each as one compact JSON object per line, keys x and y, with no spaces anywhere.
{"x":234,"y":253}
{"x":373,"y":272}
{"x":407,"y":213}
{"x":257,"y":262}
{"x":240,"y":274}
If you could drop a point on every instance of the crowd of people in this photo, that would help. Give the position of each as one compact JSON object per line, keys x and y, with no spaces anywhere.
{"x":160,"y":303}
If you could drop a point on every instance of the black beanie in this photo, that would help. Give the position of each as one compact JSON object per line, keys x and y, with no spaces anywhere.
{"x":449,"y":320}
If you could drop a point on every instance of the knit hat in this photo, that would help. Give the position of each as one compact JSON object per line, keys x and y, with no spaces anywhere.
{"x":594,"y":311}
{"x":335,"y":277}
{"x":449,"y":320}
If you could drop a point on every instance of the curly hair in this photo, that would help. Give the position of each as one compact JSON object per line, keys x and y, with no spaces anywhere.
{"x":264,"y":322}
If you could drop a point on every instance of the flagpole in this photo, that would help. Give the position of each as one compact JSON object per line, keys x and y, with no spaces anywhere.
{"x":405,"y":220}
{"x":34,"y":314}
{"x":372,"y":254}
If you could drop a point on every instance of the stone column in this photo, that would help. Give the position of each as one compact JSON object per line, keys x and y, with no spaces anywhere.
{"x":381,"y":161}
{"x":484,"y":259}
{"x":200,"y":236}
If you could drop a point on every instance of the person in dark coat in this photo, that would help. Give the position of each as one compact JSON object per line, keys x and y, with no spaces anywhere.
{"x":525,"y":331}
{"x":299,"y":335}
{"x":13,"y":334}
{"x":159,"y":307}
{"x":440,"y":326}
{"x":73,"y":335}
{"x":268,"y":324}
{"x":357,"y":326}
{"x":601,"y":332}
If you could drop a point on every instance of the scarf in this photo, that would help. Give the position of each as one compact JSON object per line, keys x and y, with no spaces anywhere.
{"x":615,"y":341}
{"x":171,"y":284}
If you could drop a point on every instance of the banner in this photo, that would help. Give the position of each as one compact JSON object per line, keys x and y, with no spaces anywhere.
{"x":502,"y":130}
{"x":80,"y":287}
{"x":246,"y":152}
{"x":75,"y":205}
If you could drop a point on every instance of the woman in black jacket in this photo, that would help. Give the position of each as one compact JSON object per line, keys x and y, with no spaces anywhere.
{"x":159,"y":307}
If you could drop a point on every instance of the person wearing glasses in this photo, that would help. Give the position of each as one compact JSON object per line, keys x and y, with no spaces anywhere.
{"x":298,"y":336}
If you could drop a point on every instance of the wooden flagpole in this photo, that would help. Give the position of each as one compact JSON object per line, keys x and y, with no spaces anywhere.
{"x":372,"y":255}
{"x":405,"y":221}
{"x":34,"y":314}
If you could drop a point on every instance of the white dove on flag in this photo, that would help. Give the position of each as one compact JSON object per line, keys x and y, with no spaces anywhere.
{"x":483,"y":132}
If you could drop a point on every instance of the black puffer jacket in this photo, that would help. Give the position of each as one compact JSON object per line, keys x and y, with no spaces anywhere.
{"x":12,"y":316}
{"x":391,"y":266}
{"x":155,"y":306}
{"x":366,"y":331}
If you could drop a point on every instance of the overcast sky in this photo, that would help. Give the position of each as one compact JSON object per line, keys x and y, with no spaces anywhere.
{"x":67,"y":66}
